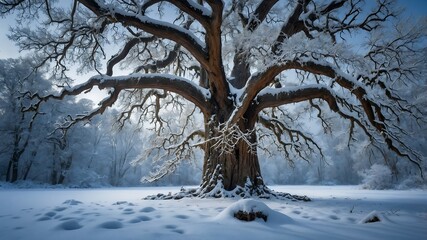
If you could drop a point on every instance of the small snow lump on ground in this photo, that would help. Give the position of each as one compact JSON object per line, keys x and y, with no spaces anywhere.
{"x":256,"y":210}
{"x":372,"y":217}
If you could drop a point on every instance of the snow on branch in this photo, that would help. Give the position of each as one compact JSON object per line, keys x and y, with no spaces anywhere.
{"x":189,"y":90}
{"x":269,"y":98}
{"x":334,"y":18}
{"x":161,"y":29}
{"x":230,"y":135}
{"x":367,"y":114}
{"x":302,"y":144}
{"x":195,"y":10}
{"x":125,"y":51}
{"x":260,"y":13}
{"x":169,"y":151}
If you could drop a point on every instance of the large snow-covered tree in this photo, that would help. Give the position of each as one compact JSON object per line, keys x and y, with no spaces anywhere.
{"x":243,"y":65}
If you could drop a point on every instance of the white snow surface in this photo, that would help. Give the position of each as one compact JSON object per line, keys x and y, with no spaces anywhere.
{"x":335,"y":212}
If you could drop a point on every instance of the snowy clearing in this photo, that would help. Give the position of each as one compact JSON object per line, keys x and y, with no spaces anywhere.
{"x":335,"y":212}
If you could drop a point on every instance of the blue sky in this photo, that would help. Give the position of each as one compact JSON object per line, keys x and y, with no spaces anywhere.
{"x":414,"y":7}
{"x":9,"y":50}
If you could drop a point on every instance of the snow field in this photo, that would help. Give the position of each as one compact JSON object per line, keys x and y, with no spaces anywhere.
{"x":334,"y":213}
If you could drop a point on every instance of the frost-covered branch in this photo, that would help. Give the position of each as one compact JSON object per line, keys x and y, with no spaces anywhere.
{"x":290,"y":139}
{"x":368,"y":114}
{"x":199,"y":96}
{"x":169,"y":151}
{"x":257,"y":17}
{"x":227,"y":138}
{"x":125,"y":51}
{"x":161,"y":29}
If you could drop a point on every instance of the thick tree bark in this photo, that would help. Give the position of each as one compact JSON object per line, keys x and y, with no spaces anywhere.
{"x":233,"y":166}
{"x":236,"y":169}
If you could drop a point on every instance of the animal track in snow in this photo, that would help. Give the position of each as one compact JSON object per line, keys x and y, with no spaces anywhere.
{"x":124,"y":203}
{"x":69,"y":225}
{"x":180,"y":231}
{"x":140,"y":219}
{"x":44,"y":218}
{"x":50,"y":214}
{"x":59,"y":209}
{"x":72,"y":202}
{"x":128,"y":211}
{"x":171,"y":226}
{"x":111,"y":225}
{"x":174,"y":228}
{"x":147,"y":209}
{"x":91,"y":214}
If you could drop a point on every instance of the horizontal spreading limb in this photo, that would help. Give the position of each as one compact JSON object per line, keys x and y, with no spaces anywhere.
{"x":160,"y":29}
{"x":189,"y":90}
{"x":369,"y":118}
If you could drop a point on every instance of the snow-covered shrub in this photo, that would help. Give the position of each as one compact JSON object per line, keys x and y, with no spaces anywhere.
{"x":377,"y":177}
{"x":86,"y":178}
{"x":411,"y":182}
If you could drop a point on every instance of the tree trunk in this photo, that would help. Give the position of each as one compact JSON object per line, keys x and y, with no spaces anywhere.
{"x":27,"y":170}
{"x":13,"y":167}
{"x":233,"y":167}
{"x":65,"y":167}
{"x":54,"y":173}
{"x":29,"y":164}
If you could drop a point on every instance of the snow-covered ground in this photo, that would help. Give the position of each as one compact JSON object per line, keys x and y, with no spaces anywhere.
{"x":334,"y":213}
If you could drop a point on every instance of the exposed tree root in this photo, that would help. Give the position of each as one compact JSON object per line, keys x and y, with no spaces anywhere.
{"x":262,"y":192}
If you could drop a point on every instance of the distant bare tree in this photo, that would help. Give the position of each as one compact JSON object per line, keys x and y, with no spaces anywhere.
{"x":16,"y":126}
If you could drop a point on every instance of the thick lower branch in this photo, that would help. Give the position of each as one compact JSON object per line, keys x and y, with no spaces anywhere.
{"x":187,"y":89}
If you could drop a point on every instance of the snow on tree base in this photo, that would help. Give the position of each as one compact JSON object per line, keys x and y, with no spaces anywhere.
{"x":220,"y":192}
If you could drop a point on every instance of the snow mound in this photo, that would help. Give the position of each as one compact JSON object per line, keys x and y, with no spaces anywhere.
{"x":253,"y":206}
{"x":111,"y":225}
{"x":69,"y":225}
{"x":374,"y":216}
{"x":72,"y":202}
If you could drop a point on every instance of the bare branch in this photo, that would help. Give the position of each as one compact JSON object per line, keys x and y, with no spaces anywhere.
{"x":190,"y":91}
{"x":124,"y":52}
{"x":292,"y":26}
{"x":157,"y":28}
{"x":258,"y":16}
{"x":8,"y":6}
{"x":299,"y":142}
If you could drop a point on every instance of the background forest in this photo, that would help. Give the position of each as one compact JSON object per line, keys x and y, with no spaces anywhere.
{"x":104,"y":153}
